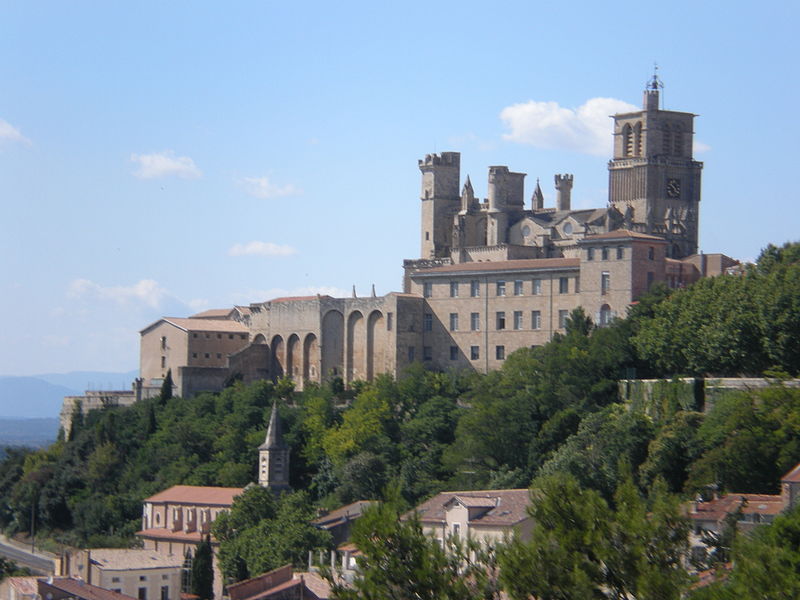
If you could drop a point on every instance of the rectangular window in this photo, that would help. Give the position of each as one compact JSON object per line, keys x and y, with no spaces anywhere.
{"x":501,"y":288}
{"x":474,"y":288}
{"x":194,"y":335}
{"x":620,"y":253}
{"x":501,"y":320}
{"x":563,"y":285}
{"x":651,"y":253}
{"x":230,"y":336}
{"x":536,"y":319}
{"x":605,"y":253}
{"x":453,"y":321}
{"x":164,"y":577}
{"x":650,"y":279}
{"x":577,"y":283}
{"x":500,"y":352}
{"x":427,"y":289}
{"x":219,"y":336}
{"x":605,"y":282}
{"x":427,"y":322}
{"x":389,"y":321}
{"x":412,"y":354}
{"x":163,"y":362}
{"x":427,"y":353}
{"x":590,"y":254}
{"x":562,"y":318}
{"x":164,"y":592}
{"x":243,"y":336}
{"x":208,"y":355}
{"x":219,"y":354}
{"x":517,"y":319}
{"x":453,"y":352}
{"x":143,"y":593}
{"x":115,"y":580}
{"x":474,"y":352}
{"x":163,"y":342}
{"x":518,"y":287}
{"x":454,"y":289}
{"x":537,"y":287}
{"x":474,"y":321}
{"x":456,"y":529}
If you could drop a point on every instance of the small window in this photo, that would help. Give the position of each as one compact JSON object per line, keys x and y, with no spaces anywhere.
{"x":389,"y":320}
{"x":243,"y":336}
{"x":115,"y":580}
{"x":453,"y":352}
{"x":605,"y":315}
{"x":427,"y":322}
{"x":453,"y":321}
{"x":536,"y":319}
{"x":142,"y":577}
{"x":537,"y":287}
{"x":230,"y":336}
{"x":427,"y":235}
{"x":501,"y":288}
{"x":651,"y":253}
{"x":427,"y":289}
{"x":427,"y":353}
{"x":605,"y":282}
{"x":194,"y":335}
{"x":562,"y":318}
{"x":219,"y":336}
{"x":590,"y":254}
{"x":604,"y":253}
{"x":219,"y":354}
{"x":563,"y":285}
{"x":620,"y":253}
{"x":164,"y":577}
{"x":474,"y":352}
{"x":454,"y":289}
{"x":518,"y":287}
{"x":501,"y":320}
{"x":194,"y":354}
{"x":650,"y":279}
{"x":456,"y":529}
{"x":474,"y":288}
{"x":412,"y":352}
{"x":142,"y":593}
{"x":208,"y":355}
{"x":500,"y":352}
{"x":163,"y":362}
{"x":208,"y":336}
{"x":517,"y":319}
{"x":474,"y":322}
{"x":163,"y":342}
{"x":164,"y":592}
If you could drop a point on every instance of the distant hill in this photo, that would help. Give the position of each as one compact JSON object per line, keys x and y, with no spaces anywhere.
{"x":41,"y":395}
{"x":27,"y":432}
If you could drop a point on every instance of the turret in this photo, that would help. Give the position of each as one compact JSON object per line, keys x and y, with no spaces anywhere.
{"x":273,"y":455}
{"x":440,"y":202}
{"x":563,"y":191}
{"x":537,"y":199}
{"x":467,"y":198}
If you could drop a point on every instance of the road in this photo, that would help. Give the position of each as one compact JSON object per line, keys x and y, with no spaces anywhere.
{"x":39,"y":565}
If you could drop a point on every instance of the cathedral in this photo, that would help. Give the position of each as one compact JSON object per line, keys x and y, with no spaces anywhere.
{"x":494,"y":275}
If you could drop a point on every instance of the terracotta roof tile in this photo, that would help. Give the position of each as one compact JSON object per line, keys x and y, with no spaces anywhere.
{"x":298,"y":298}
{"x":195,"y":494}
{"x":125,"y":558}
{"x":349,"y":511}
{"x":619,"y":234}
{"x":792,"y":476}
{"x":509,"y":507}
{"x":716,"y":510}
{"x":215,"y":325}
{"x":162,"y":533}
{"x":80,"y":589}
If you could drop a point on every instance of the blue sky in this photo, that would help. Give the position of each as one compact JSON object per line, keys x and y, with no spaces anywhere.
{"x":162,"y":158}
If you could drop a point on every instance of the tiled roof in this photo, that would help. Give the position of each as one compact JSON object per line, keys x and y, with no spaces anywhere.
{"x":508,"y":507}
{"x":527,"y":264}
{"x":350,"y":511}
{"x":298,"y":298}
{"x":121,"y":559}
{"x":620,"y":234}
{"x":215,"y":325}
{"x":195,"y":494}
{"x":716,"y":510}
{"x":792,"y":476}
{"x":213,"y":313}
{"x":80,"y":589}
{"x":162,"y":533}
{"x":25,"y":586}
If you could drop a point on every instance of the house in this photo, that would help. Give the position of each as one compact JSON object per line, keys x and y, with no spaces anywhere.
{"x":68,"y":588}
{"x":486,"y":516}
{"x":19,"y":588}
{"x":339,"y":522}
{"x":281,"y":584}
{"x":176,"y":520}
{"x":141,"y":573}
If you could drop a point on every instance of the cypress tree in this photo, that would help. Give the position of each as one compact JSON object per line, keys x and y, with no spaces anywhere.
{"x":166,"y":387}
{"x":203,"y":570}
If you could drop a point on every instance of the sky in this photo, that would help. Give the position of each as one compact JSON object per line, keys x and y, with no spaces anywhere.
{"x":162,"y":158}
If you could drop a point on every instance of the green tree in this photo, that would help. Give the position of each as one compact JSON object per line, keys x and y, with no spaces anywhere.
{"x":203,"y":570}
{"x":166,"y":387}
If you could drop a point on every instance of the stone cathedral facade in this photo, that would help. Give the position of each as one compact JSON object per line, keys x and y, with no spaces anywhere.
{"x":494,"y":274}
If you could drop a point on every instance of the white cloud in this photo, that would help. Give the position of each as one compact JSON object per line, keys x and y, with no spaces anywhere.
{"x":198,"y":304}
{"x":146,"y":292}
{"x":699,"y":147}
{"x":260,"y":249}
{"x":11,"y":133}
{"x":262,"y":187}
{"x":165,"y":164}
{"x":584,"y":129}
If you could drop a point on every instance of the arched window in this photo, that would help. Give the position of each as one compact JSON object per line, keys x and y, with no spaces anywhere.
{"x":627,"y":140}
{"x":677,"y":140}
{"x":666,"y":139}
{"x":637,"y":132}
{"x":605,"y":315}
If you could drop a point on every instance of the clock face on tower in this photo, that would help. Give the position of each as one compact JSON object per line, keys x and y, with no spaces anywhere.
{"x":674,"y":188}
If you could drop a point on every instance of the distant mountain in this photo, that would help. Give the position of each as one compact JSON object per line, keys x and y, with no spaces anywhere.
{"x":41,"y":395}
{"x":27,"y":432}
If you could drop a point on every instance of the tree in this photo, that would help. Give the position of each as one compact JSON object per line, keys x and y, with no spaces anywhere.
{"x":166,"y":387}
{"x":399,"y":561}
{"x":203,"y":570}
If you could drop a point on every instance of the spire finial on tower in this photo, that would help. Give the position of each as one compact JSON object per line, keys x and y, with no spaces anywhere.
{"x":651,"y":90}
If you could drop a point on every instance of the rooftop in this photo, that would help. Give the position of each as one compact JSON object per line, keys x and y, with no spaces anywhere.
{"x":78,"y":588}
{"x":341,"y":514}
{"x":207,"y":324}
{"x":717,"y":509}
{"x":527,"y":264}
{"x":195,"y":494}
{"x":624,"y":234}
{"x":505,"y":507}
{"x":122,"y":559}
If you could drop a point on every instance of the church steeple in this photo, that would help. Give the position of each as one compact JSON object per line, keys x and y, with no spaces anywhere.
{"x":651,"y":92}
{"x":273,"y":455}
{"x":537,"y":199}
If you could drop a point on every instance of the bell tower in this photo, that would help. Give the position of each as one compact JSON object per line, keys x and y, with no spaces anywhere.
{"x":653,"y":178}
{"x":273,"y":456}
{"x":441,"y":201}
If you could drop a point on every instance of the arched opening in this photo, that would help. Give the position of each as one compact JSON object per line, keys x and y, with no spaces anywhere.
{"x":355,"y":347}
{"x":605,"y":315}
{"x":637,"y":135}
{"x":310,"y":358}
{"x":293,"y":357}
{"x":376,"y":344}
{"x":677,"y":140}
{"x":666,"y":139}
{"x":260,"y":339}
{"x":332,"y":338}
{"x":627,"y":140}
{"x":278,"y":359}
